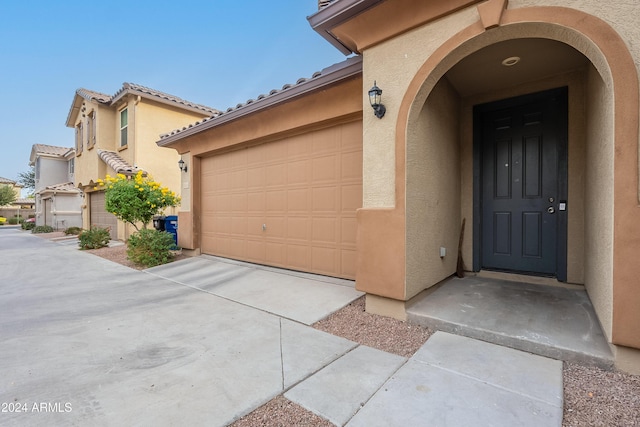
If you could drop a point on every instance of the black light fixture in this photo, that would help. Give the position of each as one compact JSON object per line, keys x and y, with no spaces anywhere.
{"x":182,"y":166}
{"x":375,"y":98}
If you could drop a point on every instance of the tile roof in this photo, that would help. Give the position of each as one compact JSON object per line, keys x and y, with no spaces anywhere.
{"x":51,"y":149}
{"x":91,"y":95}
{"x":6,"y":181}
{"x":66,"y":187}
{"x":132,"y":87}
{"x":346,"y":69}
{"x":117,"y":163}
{"x":24,"y":201}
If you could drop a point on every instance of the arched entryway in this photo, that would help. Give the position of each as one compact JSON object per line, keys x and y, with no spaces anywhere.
{"x":588,"y":59}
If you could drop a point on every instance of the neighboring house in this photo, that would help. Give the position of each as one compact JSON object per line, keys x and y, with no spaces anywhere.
{"x":522,"y":119}
{"x":117,"y":134}
{"x":58,"y":201}
{"x":21,"y":207}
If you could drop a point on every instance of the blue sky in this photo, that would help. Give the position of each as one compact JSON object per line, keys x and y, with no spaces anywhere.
{"x":216,"y":52}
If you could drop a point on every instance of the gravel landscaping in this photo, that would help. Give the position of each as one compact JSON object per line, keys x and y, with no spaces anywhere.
{"x":592,"y":396}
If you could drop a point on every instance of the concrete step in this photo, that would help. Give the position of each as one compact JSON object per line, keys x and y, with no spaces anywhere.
{"x":546,"y":320}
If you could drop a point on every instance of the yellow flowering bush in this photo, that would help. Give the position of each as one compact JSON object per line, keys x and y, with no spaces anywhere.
{"x":136,"y":199}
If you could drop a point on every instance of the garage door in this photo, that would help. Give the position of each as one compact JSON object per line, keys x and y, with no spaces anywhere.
{"x":289,"y":203}
{"x":100,"y":217}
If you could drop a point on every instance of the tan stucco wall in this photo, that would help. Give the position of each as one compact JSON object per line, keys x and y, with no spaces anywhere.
{"x":408,"y":67}
{"x":433,"y":190}
{"x":147,"y":120}
{"x":599,"y":199}
{"x":393,"y":65}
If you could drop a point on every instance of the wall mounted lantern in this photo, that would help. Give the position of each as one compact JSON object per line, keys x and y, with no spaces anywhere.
{"x":182,"y":166}
{"x":375,"y":98}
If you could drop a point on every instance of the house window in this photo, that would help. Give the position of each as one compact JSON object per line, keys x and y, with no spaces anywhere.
{"x":79,"y":140}
{"x":124,"y":123}
{"x":72,"y":166}
{"x":91,"y":130}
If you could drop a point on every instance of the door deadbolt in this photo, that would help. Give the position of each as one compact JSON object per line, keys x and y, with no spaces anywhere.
{"x":264,"y":227}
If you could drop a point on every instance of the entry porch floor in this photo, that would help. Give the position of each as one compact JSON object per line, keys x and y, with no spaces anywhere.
{"x":552,"y":321}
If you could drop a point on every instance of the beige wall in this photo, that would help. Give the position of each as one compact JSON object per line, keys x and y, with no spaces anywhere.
{"x":599,"y":199}
{"x":433,"y":190}
{"x":147,"y":120}
{"x":409,"y":66}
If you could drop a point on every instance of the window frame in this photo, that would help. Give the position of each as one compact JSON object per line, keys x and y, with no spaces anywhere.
{"x":124,"y":130}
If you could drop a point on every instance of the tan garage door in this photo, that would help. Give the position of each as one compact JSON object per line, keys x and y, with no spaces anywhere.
{"x":289,"y":203}
{"x":100,"y":217}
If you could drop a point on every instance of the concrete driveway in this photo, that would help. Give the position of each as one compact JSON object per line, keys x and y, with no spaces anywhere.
{"x":203,"y":341}
{"x":89,"y":342}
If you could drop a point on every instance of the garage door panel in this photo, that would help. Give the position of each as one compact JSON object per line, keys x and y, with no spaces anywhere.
{"x":305,"y":189}
{"x":99,"y":217}
{"x":298,"y":201}
{"x":326,"y":170}
{"x":324,"y":199}
{"x":350,"y":198}
{"x":239,"y":225}
{"x":299,"y":228}
{"x":348,"y":227}
{"x":239,"y":202}
{"x":256,"y":203}
{"x":348,"y":260}
{"x":275,"y":254}
{"x":298,"y":257}
{"x":324,"y":230}
{"x":351,"y":167}
{"x":256,"y":250}
{"x":325,"y":260}
{"x":298,"y":172}
{"x":276,"y":175}
{"x":237,"y":248}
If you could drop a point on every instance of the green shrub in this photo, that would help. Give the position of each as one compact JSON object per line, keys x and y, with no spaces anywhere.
{"x":94,"y":238}
{"x":13,"y":221}
{"x":73,"y":230}
{"x":28,"y":225}
{"x":150,"y":247}
{"x":42,"y":229}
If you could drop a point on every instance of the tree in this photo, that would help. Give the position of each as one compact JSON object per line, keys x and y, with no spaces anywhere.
{"x":136,"y":199}
{"x":7,"y":195}
{"x":28,"y":180}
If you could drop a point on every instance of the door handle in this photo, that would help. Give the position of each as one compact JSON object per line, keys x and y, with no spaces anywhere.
{"x":551,"y":209}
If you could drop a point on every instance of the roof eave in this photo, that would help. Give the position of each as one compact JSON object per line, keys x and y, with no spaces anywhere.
{"x":329,"y":17}
{"x":340,"y":72}
{"x":159,"y":99}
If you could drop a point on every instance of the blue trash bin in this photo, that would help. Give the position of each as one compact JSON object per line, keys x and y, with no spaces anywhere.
{"x":171,"y":226}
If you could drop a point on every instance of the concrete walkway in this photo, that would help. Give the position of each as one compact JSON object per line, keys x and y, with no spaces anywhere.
{"x":89,"y":342}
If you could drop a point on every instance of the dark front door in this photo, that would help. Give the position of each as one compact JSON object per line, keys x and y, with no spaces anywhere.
{"x":523,"y":190}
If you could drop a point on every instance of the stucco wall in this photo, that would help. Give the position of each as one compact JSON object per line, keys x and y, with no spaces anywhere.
{"x":52,"y":171}
{"x":599,"y":199}
{"x":433,"y":190}
{"x":393,"y":65}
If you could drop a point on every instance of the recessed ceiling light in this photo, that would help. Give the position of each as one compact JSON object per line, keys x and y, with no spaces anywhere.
{"x":511,"y":61}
